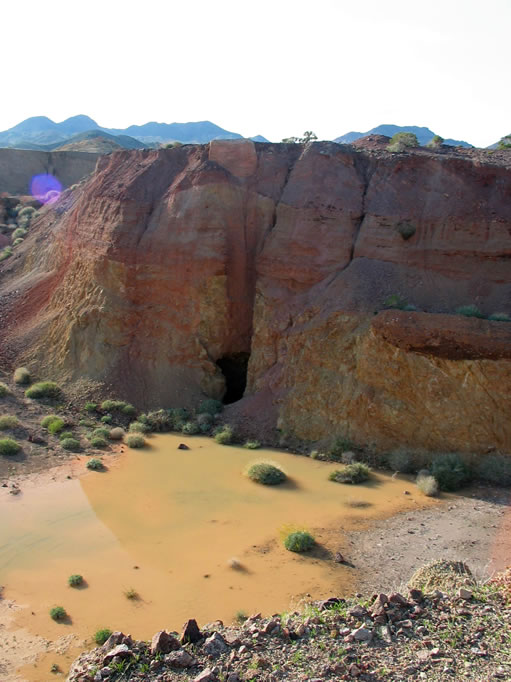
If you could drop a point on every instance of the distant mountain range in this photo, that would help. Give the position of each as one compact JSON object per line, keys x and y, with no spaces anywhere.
{"x":40,"y":132}
{"x":424,"y":135}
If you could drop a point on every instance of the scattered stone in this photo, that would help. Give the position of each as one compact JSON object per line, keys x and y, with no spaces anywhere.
{"x":463,"y":593}
{"x":206,"y":675}
{"x":329,"y":603}
{"x":182,"y":446}
{"x":416,"y":595}
{"x":191,"y":633}
{"x":338,"y":558}
{"x":358,"y":612}
{"x":397,"y":598}
{"x":121,"y":651}
{"x":215,"y":645}
{"x":354,"y":670}
{"x":180,"y":659}
{"x":362,"y":634}
{"x":163,"y":643}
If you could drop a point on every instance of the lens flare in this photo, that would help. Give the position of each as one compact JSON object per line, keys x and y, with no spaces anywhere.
{"x":45,"y":188}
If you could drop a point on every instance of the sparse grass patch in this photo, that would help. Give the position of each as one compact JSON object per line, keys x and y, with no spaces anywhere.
{"x":75,"y":580}
{"x":71,"y":444}
{"x":4,"y":390}
{"x":450,"y":471}
{"x":9,"y":447}
{"x":225,"y":435}
{"x":131,"y":593}
{"x":95,"y":464}
{"x":8,"y":422}
{"x":358,"y":472}
{"x":21,"y":376}
{"x":469,"y":311}
{"x":443,"y":575}
{"x":43,"y":389}
{"x":135,"y":440}
{"x":495,"y":469}
{"x":240,"y":617}
{"x":266,"y":473}
{"x":100,"y":636}
{"x":58,"y":613}
{"x":428,"y":485}
{"x":252,"y":445}
{"x":299,"y":541}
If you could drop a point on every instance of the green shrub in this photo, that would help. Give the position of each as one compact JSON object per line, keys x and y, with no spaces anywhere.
{"x":86,"y":422}
{"x":428,"y":485}
{"x":90,"y":407}
{"x":100,"y":636}
{"x":8,"y":422}
{"x":224,"y":435}
{"x":106,"y":419}
{"x":341,"y":444}
{"x":469,"y":311}
{"x":75,"y":580}
{"x":19,"y":233}
{"x":139,"y":427}
{"x":495,"y":469}
{"x":117,"y":406}
{"x":56,"y":425}
{"x":205,"y":418}
{"x":352,"y":473}
{"x":190,"y":428}
{"x":436,"y":141}
{"x":70,"y":444}
{"x":58,"y":613}
{"x":46,"y":421}
{"x":210,"y":406}
{"x":299,"y":541}
{"x":401,"y":141}
{"x":500,"y":317}
{"x":95,"y":464}
{"x":101,"y":432}
{"x":395,"y":301}
{"x":450,"y":471}
{"x":17,"y":241}
{"x":135,"y":440}
{"x":98,"y":442}
{"x":401,"y":461}
{"x":4,"y":390}
{"x":128,"y":410}
{"x":21,"y":376}
{"x":27,"y":211}
{"x":406,"y":229}
{"x":116,"y":434}
{"x":8,"y":447}
{"x":266,"y":473}
{"x":252,"y":444}
{"x":65,"y":434}
{"x":43,"y":389}
{"x":5,"y":253}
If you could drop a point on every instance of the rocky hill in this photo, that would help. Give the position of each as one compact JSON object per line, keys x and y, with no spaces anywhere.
{"x":320,"y":282}
{"x":424,"y":135}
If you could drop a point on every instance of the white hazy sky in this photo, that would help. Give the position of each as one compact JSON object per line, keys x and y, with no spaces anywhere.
{"x":272,"y":67}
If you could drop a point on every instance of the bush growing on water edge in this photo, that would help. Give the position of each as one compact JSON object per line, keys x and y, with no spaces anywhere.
{"x":43,"y":389}
{"x":358,"y":472}
{"x":95,"y":464}
{"x":427,"y":484}
{"x":340,"y":445}
{"x":266,"y":473}
{"x":469,"y":311}
{"x":100,"y":636}
{"x":8,"y":447}
{"x":401,"y":461}
{"x":210,"y":406}
{"x":58,"y":613}
{"x":191,"y":428}
{"x":135,"y":440}
{"x":75,"y":580}
{"x":224,"y":435}
{"x":21,"y":376}
{"x":299,"y":541}
{"x":70,"y":444}
{"x":450,"y":471}
{"x":8,"y":421}
{"x":495,"y":469}
{"x":139,"y":427}
{"x":4,"y":390}
{"x":240,"y":617}
{"x":252,"y":445}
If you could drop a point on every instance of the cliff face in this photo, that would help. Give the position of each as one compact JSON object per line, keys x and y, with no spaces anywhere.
{"x":168,"y":261}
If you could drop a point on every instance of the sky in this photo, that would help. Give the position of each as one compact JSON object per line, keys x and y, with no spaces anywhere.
{"x":274,"y":68}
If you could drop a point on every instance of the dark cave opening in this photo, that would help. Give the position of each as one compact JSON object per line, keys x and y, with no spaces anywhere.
{"x":234,"y":368}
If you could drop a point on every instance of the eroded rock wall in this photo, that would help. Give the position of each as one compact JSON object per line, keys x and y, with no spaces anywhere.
{"x":169,"y":260}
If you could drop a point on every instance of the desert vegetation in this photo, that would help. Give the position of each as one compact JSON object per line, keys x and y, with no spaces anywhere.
{"x":354,"y":473}
{"x":299,"y":541}
{"x":266,"y":473}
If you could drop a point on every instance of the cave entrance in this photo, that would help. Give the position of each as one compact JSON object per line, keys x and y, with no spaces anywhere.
{"x":234,"y":368}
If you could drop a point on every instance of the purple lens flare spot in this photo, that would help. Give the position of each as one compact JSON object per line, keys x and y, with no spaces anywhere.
{"x":45,"y":188}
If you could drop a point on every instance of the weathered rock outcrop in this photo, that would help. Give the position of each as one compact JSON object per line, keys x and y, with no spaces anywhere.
{"x":18,"y":166}
{"x":167,"y":261}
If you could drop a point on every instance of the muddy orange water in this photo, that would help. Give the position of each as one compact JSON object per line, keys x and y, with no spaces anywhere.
{"x":167,"y":523}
